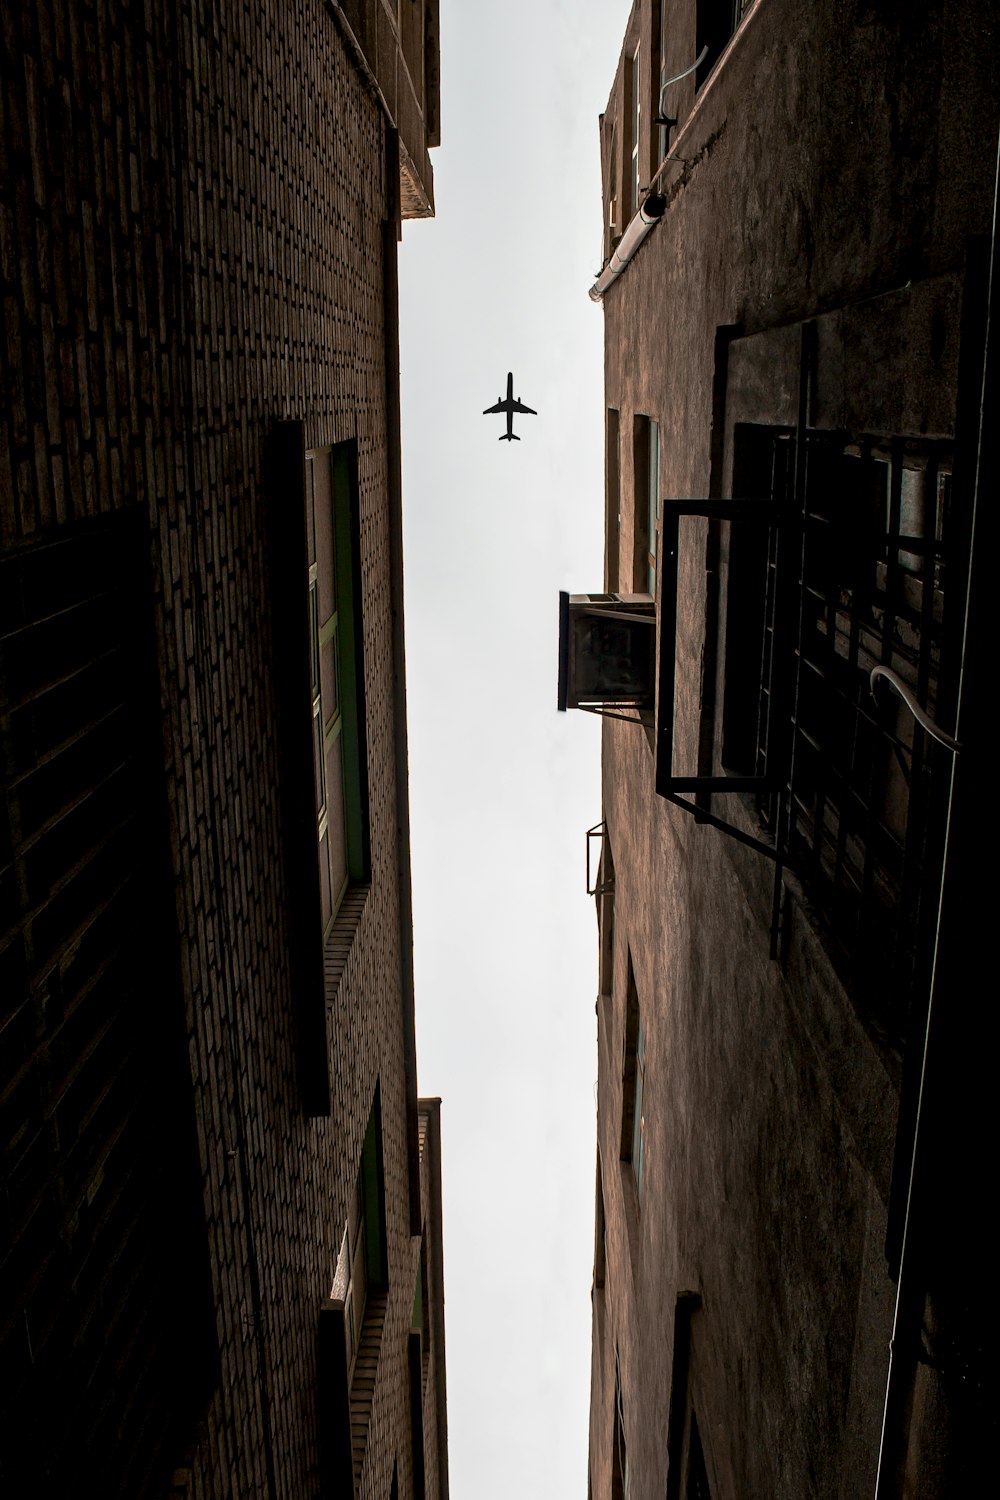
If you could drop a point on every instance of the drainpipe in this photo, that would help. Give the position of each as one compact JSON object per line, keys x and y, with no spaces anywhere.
{"x":645,"y":220}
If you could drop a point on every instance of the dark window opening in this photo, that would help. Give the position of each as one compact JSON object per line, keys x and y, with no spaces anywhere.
{"x":646,"y":503}
{"x":860,"y":783}
{"x":613,"y":188}
{"x":352,"y":1319}
{"x":633,"y":1138}
{"x":697,"y":1475}
{"x":634,"y":123}
{"x":612,"y":503}
{"x":762,"y":469}
{"x":362,"y":1265}
{"x":414,"y":1367}
{"x":685,"y":1460}
{"x":316,"y":595}
{"x":600,"y":1233}
{"x":716,"y":22}
{"x":337,"y":673}
{"x":619,"y":1457}
{"x":606,"y":917}
{"x":421,"y":1322}
{"x":660,"y":75}
{"x":862,"y":786}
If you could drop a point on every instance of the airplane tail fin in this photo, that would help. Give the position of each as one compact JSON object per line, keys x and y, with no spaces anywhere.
{"x":509,"y":437}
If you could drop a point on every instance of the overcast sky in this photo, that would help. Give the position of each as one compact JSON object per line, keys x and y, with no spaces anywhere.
{"x":502,"y":786}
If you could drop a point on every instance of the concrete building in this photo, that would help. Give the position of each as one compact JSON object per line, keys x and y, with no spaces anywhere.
{"x":794,"y":1061}
{"x":220,"y":1243}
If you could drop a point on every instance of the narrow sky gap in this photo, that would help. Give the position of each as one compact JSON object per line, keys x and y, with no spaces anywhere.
{"x":502,"y":787}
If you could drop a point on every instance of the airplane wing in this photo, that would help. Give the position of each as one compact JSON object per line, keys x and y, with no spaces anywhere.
{"x":488,"y":412}
{"x":520,"y":406}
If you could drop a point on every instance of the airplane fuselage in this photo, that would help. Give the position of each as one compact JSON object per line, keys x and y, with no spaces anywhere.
{"x":508,"y":407}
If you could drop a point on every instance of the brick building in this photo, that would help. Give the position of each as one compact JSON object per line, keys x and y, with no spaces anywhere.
{"x":220,"y":1250}
{"x":794,"y":1058}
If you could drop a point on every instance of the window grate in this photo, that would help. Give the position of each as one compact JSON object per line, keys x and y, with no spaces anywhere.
{"x":861,"y":787}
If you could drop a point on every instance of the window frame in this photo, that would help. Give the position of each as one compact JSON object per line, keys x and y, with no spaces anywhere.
{"x":715,"y":22}
{"x":612,"y":492}
{"x":614,"y":227}
{"x":653,"y":503}
{"x":338,"y":717}
{"x":633,"y":1127}
{"x":345,"y":1390}
{"x":620,"y":1481}
{"x":600,"y":1231}
{"x":362,"y":1269}
{"x":660,"y":44}
{"x":633,"y":106}
{"x":605,"y":897}
{"x":646,"y":503}
{"x":293,"y":671}
{"x":638,"y":1119}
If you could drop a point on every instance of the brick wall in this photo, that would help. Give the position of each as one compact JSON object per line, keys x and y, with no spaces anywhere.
{"x":192,"y":248}
{"x":770,"y":1109}
{"x":106,"y":1332}
{"x":433,"y":1414}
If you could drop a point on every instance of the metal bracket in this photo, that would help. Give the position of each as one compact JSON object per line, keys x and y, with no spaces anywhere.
{"x":598,"y":889}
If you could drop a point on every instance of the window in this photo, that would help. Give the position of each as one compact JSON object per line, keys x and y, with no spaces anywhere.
{"x":420,"y":1319}
{"x":361,"y":1265}
{"x":606,"y":917}
{"x":418,"y":1362}
{"x":600,"y":1233}
{"x":316,"y":597}
{"x":646,"y":503}
{"x":763,"y":463}
{"x":638,"y":1122}
{"x":686,"y":1473}
{"x":697,"y":1475}
{"x":612,"y":502}
{"x":634,"y":121}
{"x":660,"y":16}
{"x":861,"y":787}
{"x":350,"y":1284}
{"x":612,"y":179}
{"x":716,"y":22}
{"x":352,"y":1321}
{"x":653,"y":504}
{"x":416,"y":1419}
{"x":619,"y":1457}
{"x":633,"y":1123}
{"x":336,"y":673}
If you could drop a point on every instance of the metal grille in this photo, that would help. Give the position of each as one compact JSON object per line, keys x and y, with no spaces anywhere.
{"x":857,"y":792}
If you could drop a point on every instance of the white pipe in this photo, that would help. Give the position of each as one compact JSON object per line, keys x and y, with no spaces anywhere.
{"x":647,"y":218}
{"x":678,"y":76}
{"x":925,"y":722}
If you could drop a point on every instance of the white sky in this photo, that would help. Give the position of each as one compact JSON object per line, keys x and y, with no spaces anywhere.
{"x":502,"y":786}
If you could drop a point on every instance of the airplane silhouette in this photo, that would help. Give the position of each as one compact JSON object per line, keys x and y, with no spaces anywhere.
{"x":510,"y":406}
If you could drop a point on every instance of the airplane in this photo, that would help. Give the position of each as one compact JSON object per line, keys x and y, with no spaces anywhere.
{"x":510,"y":406}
